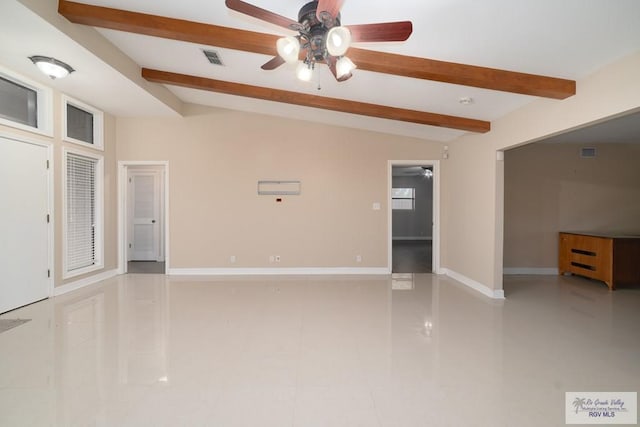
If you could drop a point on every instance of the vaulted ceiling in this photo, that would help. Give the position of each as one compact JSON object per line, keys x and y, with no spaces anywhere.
{"x":500,"y":54}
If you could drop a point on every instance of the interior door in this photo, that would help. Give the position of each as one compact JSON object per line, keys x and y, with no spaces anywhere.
{"x":145,"y":215}
{"x":24,"y":245}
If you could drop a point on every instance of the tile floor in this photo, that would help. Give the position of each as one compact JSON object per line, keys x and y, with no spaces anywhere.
{"x":145,"y":267}
{"x":148,"y":350}
{"x":412,"y":256}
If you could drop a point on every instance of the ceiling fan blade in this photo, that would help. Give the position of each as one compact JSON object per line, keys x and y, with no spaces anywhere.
{"x":327,"y":10}
{"x":383,"y":32}
{"x":331,"y":63}
{"x":263,"y":14}
{"x":272,"y":64}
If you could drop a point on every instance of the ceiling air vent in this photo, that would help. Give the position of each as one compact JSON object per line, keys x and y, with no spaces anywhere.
{"x":213,"y":57}
{"x":588,"y":152}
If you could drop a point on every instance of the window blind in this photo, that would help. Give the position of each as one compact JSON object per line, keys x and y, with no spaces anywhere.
{"x":403,"y":198}
{"x":81,"y":211}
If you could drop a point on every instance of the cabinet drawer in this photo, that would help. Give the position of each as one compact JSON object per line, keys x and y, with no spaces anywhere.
{"x":586,"y":245}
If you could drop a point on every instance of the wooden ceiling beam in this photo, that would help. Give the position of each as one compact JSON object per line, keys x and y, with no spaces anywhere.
{"x":381,"y":62}
{"x":168,"y":28}
{"x":463,"y":74}
{"x":314,"y":101}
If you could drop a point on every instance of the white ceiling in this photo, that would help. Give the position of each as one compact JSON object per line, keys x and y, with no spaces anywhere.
{"x":567,"y":39}
{"x":409,"y":170}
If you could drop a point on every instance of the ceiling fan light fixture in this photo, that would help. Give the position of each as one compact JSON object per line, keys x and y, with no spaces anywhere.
{"x":344,"y":67}
{"x":304,"y":71}
{"x":288,"y":48}
{"x":52,"y":67}
{"x":338,"y":41}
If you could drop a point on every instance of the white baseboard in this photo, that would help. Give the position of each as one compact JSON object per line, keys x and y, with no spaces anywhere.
{"x":477,"y":286}
{"x":79,"y":284}
{"x":413,"y":238}
{"x":277,"y":271}
{"x":530,"y":270}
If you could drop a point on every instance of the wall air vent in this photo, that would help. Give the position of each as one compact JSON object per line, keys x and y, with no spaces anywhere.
{"x":588,"y":152}
{"x":213,"y":57}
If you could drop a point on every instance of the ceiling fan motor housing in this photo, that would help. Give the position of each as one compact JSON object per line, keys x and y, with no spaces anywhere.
{"x":307,"y":14}
{"x":315,"y":31}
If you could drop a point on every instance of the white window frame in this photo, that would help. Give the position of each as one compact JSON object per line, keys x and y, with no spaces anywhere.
{"x":99,"y":214}
{"x":398,"y":206}
{"x":44,"y":96}
{"x":98,"y":123}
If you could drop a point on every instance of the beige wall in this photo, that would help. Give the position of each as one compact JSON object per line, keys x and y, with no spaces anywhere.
{"x":472,"y":176}
{"x":216,"y":157}
{"x":110,"y":195}
{"x":550,"y":188}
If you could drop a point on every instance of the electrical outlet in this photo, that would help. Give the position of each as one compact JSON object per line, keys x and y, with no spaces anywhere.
{"x":271,"y":258}
{"x":277,"y":258}
{"x":232,"y":259}
{"x":358,"y":258}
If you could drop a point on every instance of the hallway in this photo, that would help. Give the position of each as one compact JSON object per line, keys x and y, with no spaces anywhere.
{"x":412,"y":256}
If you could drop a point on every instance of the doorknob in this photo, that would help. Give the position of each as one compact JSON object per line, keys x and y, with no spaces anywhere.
{"x":153,"y":221}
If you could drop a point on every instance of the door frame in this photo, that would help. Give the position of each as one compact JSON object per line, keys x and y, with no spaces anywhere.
{"x":123,"y":200}
{"x":435,"y":253}
{"x":50,"y":202}
{"x":158,"y":216}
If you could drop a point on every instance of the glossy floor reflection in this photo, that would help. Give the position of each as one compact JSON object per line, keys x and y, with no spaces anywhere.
{"x":147,"y":350}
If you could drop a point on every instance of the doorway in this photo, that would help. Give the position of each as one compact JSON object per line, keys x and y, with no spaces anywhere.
{"x":413,"y":217}
{"x":143,"y":214}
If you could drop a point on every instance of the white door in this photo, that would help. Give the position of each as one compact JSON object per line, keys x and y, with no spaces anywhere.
{"x":24,"y":241}
{"x":145,"y":216}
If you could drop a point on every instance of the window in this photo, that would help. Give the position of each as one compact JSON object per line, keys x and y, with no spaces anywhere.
{"x":25,"y":105}
{"x":82,"y":124}
{"x":18,"y":103}
{"x":403,"y":198}
{"x":83,"y":213}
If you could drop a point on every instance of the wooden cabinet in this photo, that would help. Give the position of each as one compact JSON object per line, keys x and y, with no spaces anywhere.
{"x":611,"y":258}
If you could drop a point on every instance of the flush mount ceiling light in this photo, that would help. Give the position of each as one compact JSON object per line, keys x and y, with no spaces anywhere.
{"x":51,"y":67}
{"x":321,"y":38}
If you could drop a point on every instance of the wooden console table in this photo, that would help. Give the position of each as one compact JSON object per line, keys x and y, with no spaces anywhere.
{"x":613,"y":259}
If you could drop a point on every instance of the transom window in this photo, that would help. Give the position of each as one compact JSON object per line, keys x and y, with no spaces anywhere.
{"x":82,"y":124}
{"x":25,"y":104}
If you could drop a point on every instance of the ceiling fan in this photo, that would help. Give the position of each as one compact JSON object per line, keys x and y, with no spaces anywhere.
{"x":321,"y":36}
{"x":369,"y":60}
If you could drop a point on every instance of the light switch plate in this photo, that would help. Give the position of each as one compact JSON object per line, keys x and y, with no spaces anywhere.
{"x":376,"y":206}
